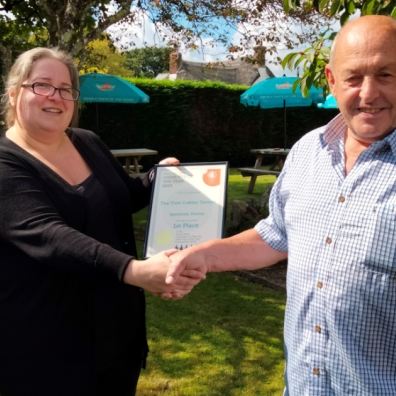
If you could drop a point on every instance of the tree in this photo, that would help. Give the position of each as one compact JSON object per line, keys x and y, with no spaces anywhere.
{"x":314,"y":58}
{"x":72,"y":24}
{"x":342,"y":9}
{"x":101,"y":56}
{"x":148,"y":61}
{"x":15,"y":38}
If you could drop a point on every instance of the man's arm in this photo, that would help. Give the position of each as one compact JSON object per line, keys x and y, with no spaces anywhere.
{"x":245,"y":250}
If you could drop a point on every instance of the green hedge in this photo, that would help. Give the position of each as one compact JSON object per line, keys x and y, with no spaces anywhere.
{"x":197,"y":121}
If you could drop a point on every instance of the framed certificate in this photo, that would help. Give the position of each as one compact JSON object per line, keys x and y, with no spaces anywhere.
{"x":187,"y":205}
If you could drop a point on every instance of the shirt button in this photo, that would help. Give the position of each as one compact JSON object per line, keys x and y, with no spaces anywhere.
{"x":315,"y":371}
{"x":319,"y":285}
{"x":341,"y":199}
{"x":318,"y":329}
{"x":328,"y":240}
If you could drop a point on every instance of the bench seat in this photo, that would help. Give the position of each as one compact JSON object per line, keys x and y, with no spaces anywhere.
{"x":257,"y":171}
{"x":253,"y":173}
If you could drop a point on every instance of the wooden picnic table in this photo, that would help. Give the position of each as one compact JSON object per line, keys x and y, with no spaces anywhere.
{"x":252,"y":172}
{"x":132,"y":157}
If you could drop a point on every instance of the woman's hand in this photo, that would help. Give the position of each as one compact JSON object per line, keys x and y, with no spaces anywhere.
{"x":169,"y":161}
{"x":150,"y":275}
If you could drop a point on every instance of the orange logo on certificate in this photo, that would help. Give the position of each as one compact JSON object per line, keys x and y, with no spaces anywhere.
{"x":212,"y":177}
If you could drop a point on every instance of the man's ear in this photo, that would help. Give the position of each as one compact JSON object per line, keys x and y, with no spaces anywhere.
{"x":330,"y":78}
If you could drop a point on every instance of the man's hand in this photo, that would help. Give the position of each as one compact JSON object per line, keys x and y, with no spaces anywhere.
{"x":186,"y":263}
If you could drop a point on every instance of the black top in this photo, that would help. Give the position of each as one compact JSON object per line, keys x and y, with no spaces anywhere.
{"x":99,"y":219}
{"x":65,"y":315}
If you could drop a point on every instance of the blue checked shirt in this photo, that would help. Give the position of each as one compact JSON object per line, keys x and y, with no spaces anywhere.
{"x":340,"y":235}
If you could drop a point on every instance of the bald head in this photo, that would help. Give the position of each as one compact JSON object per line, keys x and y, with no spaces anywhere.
{"x":363,"y":28}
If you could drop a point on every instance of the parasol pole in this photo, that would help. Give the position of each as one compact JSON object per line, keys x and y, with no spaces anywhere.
{"x":97,"y":117}
{"x":284,"y":124}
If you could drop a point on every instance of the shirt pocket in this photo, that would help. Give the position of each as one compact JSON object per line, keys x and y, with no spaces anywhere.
{"x":380,"y":247}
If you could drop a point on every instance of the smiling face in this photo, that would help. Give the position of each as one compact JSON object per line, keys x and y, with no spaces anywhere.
{"x":43,"y":114}
{"x":362,"y":77}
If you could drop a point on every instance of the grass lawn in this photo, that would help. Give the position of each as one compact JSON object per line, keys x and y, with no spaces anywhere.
{"x":224,"y":339}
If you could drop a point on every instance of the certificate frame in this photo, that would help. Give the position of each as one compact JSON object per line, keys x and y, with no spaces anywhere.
{"x":187,"y":206}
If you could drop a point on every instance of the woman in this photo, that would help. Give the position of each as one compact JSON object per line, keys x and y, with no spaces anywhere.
{"x":71,"y":298}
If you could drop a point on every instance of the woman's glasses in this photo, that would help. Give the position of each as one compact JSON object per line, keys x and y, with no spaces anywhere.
{"x":45,"y":89}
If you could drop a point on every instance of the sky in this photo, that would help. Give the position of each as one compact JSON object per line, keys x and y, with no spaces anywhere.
{"x":144,"y":33}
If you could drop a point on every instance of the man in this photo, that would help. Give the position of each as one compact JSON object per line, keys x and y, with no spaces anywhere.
{"x":333,"y":215}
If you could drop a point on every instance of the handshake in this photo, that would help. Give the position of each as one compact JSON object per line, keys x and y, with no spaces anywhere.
{"x":170,"y":274}
{"x":173,"y":273}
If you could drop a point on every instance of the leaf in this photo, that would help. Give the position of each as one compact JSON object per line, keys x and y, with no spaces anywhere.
{"x":369,"y":7}
{"x":308,"y":5}
{"x":351,"y":7}
{"x":289,"y":60}
{"x":289,"y":5}
{"x":304,"y":86}
{"x":334,"y":8}
{"x":324,"y":6}
{"x":297,"y":63}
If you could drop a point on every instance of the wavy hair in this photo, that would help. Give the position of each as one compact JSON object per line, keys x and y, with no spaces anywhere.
{"x":21,"y":70}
